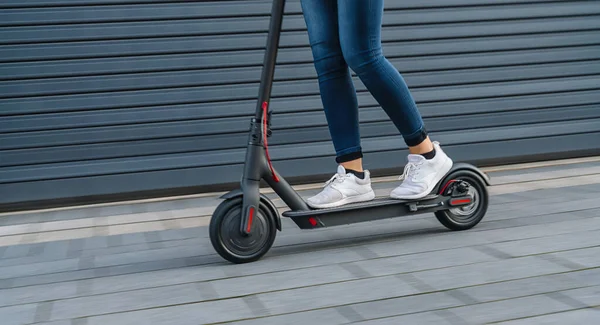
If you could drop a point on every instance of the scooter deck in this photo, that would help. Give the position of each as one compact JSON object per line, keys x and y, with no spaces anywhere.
{"x":379,"y":208}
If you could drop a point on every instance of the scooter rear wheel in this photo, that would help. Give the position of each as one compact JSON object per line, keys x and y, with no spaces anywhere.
{"x":229,"y":242}
{"x":466,"y":217}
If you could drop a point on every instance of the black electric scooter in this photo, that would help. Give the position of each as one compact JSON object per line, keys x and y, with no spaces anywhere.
{"x":244,"y":225}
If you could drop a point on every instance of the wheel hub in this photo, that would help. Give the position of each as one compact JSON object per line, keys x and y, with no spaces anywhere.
{"x":467,"y":210}
{"x":240,"y":244}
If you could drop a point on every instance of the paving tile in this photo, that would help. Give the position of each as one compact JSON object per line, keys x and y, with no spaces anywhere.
{"x":43,"y":311}
{"x":26,"y":295}
{"x":481,"y":273}
{"x":21,"y":314}
{"x":406,"y":305}
{"x":95,"y":243}
{"x":33,"y":269}
{"x":105,"y":211}
{"x":588,"y":257}
{"x":580,"y":316}
{"x":335,"y":294}
{"x":544,"y":206}
{"x":145,"y":256}
{"x":22,"y":218}
{"x":420,"y":318}
{"x":589,"y":296}
{"x":188,"y":293}
{"x":129,"y":228}
{"x":294,"y":261}
{"x":426,"y":243}
{"x":519,"y":307}
{"x":55,"y":250}
{"x":67,"y":224}
{"x":314,"y":317}
{"x":281,"y":280}
{"x":64,"y":234}
{"x":549,"y":244}
{"x":522,"y":287}
{"x":15,"y":251}
{"x":532,"y":231}
{"x":173,"y":234}
{"x":189,"y":314}
{"x":164,"y":277}
{"x":554,"y":217}
{"x":423,"y":261}
{"x":133,"y":238}
{"x":61,"y":322}
{"x":140,"y":247}
{"x":125,"y":301}
{"x":589,"y":277}
{"x":14,"y":229}
{"x":51,"y":278}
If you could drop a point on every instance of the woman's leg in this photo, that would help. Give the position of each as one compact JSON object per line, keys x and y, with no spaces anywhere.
{"x":360,"y":25}
{"x":351,"y":183}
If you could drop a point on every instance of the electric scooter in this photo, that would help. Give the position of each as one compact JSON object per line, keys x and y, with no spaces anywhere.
{"x":244,"y":225}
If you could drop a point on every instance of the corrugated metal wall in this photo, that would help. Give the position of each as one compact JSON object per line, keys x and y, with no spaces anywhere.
{"x":118,"y":97}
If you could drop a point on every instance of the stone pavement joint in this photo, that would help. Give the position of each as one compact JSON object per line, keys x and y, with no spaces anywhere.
{"x":36,"y":249}
{"x":350,"y":314}
{"x":493,"y":252}
{"x":86,"y":262}
{"x":207,"y":291}
{"x":84,"y":287}
{"x":115,"y":240}
{"x":461,"y":296}
{"x":256,"y":305}
{"x":450,"y":317}
{"x":356,"y":270}
{"x":559,"y":296}
{"x":6,"y":283}
{"x":415,"y":282}
{"x":43,"y":311}
{"x":364,"y":252}
{"x":561,"y":261}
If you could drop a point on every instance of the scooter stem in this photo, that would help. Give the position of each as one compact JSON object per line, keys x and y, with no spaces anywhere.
{"x":254,"y":167}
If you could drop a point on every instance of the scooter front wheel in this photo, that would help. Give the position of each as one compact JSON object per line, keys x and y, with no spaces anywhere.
{"x":229,"y":242}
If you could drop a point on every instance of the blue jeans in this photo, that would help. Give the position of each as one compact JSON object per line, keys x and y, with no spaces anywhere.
{"x":347,"y":34}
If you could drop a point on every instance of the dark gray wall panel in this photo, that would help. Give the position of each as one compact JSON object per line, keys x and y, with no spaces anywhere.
{"x":145,"y":97}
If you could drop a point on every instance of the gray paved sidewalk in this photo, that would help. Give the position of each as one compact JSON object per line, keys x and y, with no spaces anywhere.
{"x":535,"y":259}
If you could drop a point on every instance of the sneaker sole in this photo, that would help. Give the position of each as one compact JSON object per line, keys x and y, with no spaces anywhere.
{"x":352,"y":199}
{"x":438,"y":177}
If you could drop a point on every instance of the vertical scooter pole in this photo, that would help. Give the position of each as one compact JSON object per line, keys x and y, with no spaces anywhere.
{"x":270,"y":58}
{"x":255,"y":164}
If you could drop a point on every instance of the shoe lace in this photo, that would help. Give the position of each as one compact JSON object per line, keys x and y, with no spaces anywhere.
{"x":411,"y":171}
{"x":337,"y":178}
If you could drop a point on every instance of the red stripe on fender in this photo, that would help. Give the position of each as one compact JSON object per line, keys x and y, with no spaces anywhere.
{"x":250,"y":220}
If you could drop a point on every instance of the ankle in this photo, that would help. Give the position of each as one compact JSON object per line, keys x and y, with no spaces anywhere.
{"x":358,"y":174}
{"x":355,"y":165}
{"x":429,"y":155}
{"x":422,"y":148}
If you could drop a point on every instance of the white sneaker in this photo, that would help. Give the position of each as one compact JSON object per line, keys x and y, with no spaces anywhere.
{"x":421,"y":175}
{"x":341,"y":189}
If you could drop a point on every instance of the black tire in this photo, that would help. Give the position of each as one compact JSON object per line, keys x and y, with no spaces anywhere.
{"x":227,"y":239}
{"x":464,"y":218}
